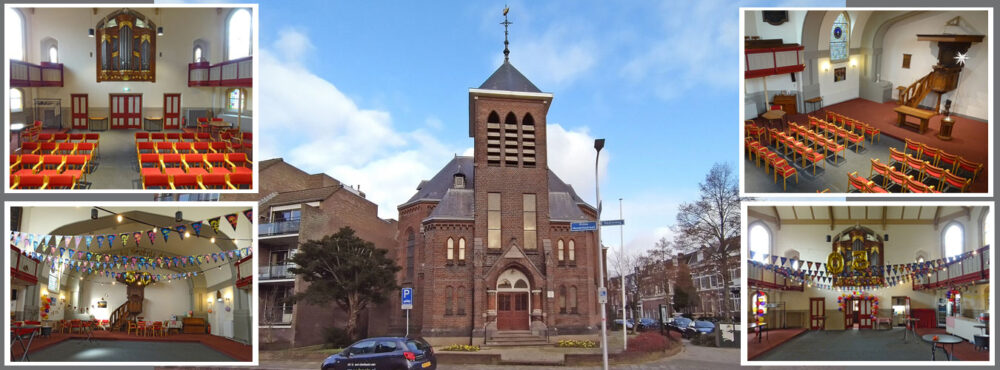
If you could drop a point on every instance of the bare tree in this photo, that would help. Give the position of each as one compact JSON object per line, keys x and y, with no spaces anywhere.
{"x":713,"y":221}
{"x":630,"y":264}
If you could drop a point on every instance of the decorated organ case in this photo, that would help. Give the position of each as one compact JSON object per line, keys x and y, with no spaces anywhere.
{"x":857,"y":258}
{"x":126,"y":47}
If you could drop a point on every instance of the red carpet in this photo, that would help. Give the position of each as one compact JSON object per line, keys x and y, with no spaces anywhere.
{"x":769,"y":340}
{"x":239,"y":351}
{"x":969,"y":136}
{"x":964,"y":351}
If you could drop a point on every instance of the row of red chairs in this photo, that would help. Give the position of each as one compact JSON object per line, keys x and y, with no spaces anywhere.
{"x":924,"y":170}
{"x":66,"y":137}
{"x":183,"y":147}
{"x":75,"y":165}
{"x":187,"y":136}
{"x":891,"y":178}
{"x":938,"y":157}
{"x":818,"y":141}
{"x":836,"y":132}
{"x":797,"y":147}
{"x":772,"y":159}
{"x":198,"y":181}
{"x":854,"y":125}
{"x":198,"y":164}
{"x":42,"y":148}
{"x":147,"y":327}
{"x":42,"y":182}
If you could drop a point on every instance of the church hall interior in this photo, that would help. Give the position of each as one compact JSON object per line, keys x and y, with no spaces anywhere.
{"x":872,"y":282}
{"x":125,"y":284}
{"x":852,"y":100}
{"x":118,"y":98}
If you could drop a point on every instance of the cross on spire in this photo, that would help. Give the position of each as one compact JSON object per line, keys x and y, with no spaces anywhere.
{"x":506,"y":42}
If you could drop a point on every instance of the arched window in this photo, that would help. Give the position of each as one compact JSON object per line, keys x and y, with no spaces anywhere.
{"x":451,"y":250}
{"x":235,"y":100}
{"x":16,"y":100}
{"x":449,"y":295}
{"x":954,"y":240}
{"x":239,"y":40}
{"x":410,"y":241}
{"x":572,"y":299}
{"x":528,"y":120}
{"x":460,"y":305}
{"x":13,"y":38}
{"x":840,"y":33}
{"x":988,"y":228}
{"x":197,"y":54}
{"x":560,"y":249}
{"x":493,"y":118}
{"x":461,"y":250}
{"x":562,"y":299}
{"x":53,"y":54}
{"x":760,"y":241}
{"x":572,"y":252}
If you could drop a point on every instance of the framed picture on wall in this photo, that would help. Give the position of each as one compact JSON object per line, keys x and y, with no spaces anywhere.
{"x":102,"y":304}
{"x":839,"y":74}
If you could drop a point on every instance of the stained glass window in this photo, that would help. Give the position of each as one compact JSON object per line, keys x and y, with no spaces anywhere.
{"x":839,"y":35}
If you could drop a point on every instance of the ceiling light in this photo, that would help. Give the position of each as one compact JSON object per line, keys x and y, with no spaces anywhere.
{"x":213,"y":240}
{"x":179,"y":216}
{"x":187,"y":234}
{"x":120,"y":218}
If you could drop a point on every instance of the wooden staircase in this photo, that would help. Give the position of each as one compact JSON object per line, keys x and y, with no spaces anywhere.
{"x":912,"y":95}
{"x":516,"y":338}
{"x":119,"y":317}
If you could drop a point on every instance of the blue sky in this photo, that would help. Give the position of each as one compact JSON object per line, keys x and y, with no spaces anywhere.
{"x":376,"y":93}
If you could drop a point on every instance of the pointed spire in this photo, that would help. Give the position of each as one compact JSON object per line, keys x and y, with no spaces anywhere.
{"x":506,"y":23}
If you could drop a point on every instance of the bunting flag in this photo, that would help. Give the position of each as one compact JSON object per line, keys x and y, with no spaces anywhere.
{"x":59,"y":239}
{"x":180,"y":231}
{"x":249,"y":215}
{"x":76,"y":240}
{"x":88,"y":239}
{"x":124,"y":238}
{"x":137,"y":236}
{"x":783,"y":260}
{"x":152,"y":236}
{"x":165,"y":232}
{"x":233,"y":219}
{"x":196,"y":226}
{"x":111,"y":240}
{"x":214,"y":223}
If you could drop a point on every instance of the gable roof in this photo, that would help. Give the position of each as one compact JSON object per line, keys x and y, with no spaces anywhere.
{"x":508,"y":78}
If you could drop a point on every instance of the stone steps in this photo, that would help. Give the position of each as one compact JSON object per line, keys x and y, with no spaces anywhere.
{"x":516,"y":338}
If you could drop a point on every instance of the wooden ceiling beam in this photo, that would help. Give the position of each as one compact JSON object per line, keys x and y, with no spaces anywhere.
{"x":812,"y":212}
{"x":762,"y":216}
{"x":777,"y":217}
{"x":937,"y":217}
{"x":885,"y":211}
{"x":832,"y":218}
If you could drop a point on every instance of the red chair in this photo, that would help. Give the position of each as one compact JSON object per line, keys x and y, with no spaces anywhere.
{"x":140,"y":327}
{"x":896,"y":156}
{"x":240,"y":180}
{"x":202,"y":147}
{"x":947,"y":161}
{"x":76,"y":137}
{"x":94,"y":139}
{"x":915,"y":186}
{"x":971,"y":167}
{"x":214,"y":181}
{"x":898,"y":178}
{"x":879,"y":168}
{"x":915,"y":165}
{"x":929,"y":153}
{"x":174,"y":136}
{"x":88,"y":149}
{"x":172,"y":164}
{"x":155,"y":181}
{"x":872,"y":132}
{"x":238,"y":163}
{"x":782,"y":168}
{"x":145,"y":147}
{"x":217,"y":163}
{"x":833,"y":146}
{"x":50,"y":165}
{"x":813,"y":157}
{"x":164,"y":147}
{"x":60,"y":137}
{"x":933,"y":172}
{"x":141,"y":136}
{"x":26,"y":165}
{"x":47,"y":147}
{"x":203,"y":136}
{"x":219,"y":147}
{"x":76,"y":166}
{"x":953,"y":180}
{"x":182,"y":147}
{"x":15,"y":181}
{"x":157,"y":328}
{"x":157,"y":136}
{"x":872,"y":188}
{"x":28,"y":148}
{"x":857,"y":182}
{"x":184,"y":181}
{"x":65,"y":148}
{"x":195,"y":163}
{"x":60,"y":182}
{"x":149,"y":164}
{"x":44,"y":137}
{"x":912,"y":148}
{"x":187,"y":136}
{"x":29,"y":181}
{"x":75,"y":324}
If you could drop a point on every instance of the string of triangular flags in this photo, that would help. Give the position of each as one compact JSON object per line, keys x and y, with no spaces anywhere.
{"x":874,"y":277}
{"x":37,"y":242}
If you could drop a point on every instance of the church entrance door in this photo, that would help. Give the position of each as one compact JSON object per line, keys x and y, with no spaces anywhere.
{"x":512,"y":311}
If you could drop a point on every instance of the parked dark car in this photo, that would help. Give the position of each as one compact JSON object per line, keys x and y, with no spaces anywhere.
{"x":699,"y":326}
{"x":618,"y":324}
{"x":647,"y":323}
{"x":679,"y":324}
{"x":384,"y":353}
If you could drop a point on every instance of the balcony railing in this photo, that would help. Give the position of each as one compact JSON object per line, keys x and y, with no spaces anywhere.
{"x":276,"y":272}
{"x":279,"y":228}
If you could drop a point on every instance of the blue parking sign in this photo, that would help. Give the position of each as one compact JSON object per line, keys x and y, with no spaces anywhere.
{"x":407,"y":298}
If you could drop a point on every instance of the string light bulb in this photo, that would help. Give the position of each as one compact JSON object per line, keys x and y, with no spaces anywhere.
{"x":187,"y":234}
{"x":213,"y":240}
{"x":120,"y":218}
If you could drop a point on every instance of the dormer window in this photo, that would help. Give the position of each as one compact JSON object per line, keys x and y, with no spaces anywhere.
{"x":459,"y":181}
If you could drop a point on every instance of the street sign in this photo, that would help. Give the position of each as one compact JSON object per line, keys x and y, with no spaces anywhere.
{"x":583,"y":226}
{"x":407,"y":298}
{"x":612,"y":222}
{"x":602,"y":295}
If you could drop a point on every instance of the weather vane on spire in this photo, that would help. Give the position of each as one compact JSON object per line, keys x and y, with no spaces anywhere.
{"x":505,"y":23}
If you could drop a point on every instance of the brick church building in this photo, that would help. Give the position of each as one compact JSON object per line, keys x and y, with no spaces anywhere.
{"x":486,"y":243}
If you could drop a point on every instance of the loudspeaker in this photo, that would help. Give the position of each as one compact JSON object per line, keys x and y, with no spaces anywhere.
{"x":179,"y":216}
{"x":793,"y":76}
{"x":886,"y":237}
{"x":775,"y":17}
{"x":93,"y":213}
{"x":13,"y":294}
{"x":828,"y":238}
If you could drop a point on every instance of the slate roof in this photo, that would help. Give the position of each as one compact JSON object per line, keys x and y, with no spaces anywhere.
{"x":508,"y":78}
{"x":459,"y":204}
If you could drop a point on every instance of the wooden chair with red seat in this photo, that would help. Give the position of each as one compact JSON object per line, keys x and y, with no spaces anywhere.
{"x":141,"y":136}
{"x":217,"y":163}
{"x":172,"y":164}
{"x":157,"y":136}
{"x":750,"y":146}
{"x":898,"y":178}
{"x":173,"y":136}
{"x":201,"y":147}
{"x":955,"y":181}
{"x":857,"y":182}
{"x":164,"y":147}
{"x":183,"y":147}
{"x":50,"y":165}
{"x":157,"y":328}
{"x":65,"y":148}
{"x":968,"y":166}
{"x":14,"y":161}
{"x":928,"y":153}
{"x":187,"y":136}
{"x":895,"y":157}
{"x":26,"y":165}
{"x":155,"y":181}
{"x":132,"y":326}
{"x":833,"y":146}
{"x":87,"y":149}
{"x":146,"y":147}
{"x":203,"y":125}
{"x":880,"y":169}
{"x":195,"y":163}
{"x":28,"y":148}
{"x":60,"y":137}
{"x":149,"y":164}
{"x":766,"y":155}
{"x":15,"y":181}
{"x":77,"y":138}
{"x":61,"y":181}
{"x":47,"y":147}
{"x":219,"y":147}
{"x":239,"y":163}
{"x":203,"y":136}
{"x":75,"y":325}
{"x":213,"y":181}
{"x":946,"y":160}
{"x":76,"y":166}
{"x":874,"y":188}
{"x":239,"y":180}
{"x":915,"y":167}
{"x":184,"y":181}
{"x":105,"y":325}
{"x":140,"y":327}
{"x":911,"y":148}
{"x":95,"y":139}
{"x":933,"y":174}
{"x":246,"y":141}
{"x":44,"y":137}
{"x":872,"y":132}
{"x":785,"y":170}
{"x":915,"y":186}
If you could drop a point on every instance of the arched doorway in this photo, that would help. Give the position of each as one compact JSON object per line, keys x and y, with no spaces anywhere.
{"x":513,"y":300}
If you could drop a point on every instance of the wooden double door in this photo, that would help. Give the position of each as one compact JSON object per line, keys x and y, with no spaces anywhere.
{"x":126,"y":111}
{"x":858,"y":312}
{"x":512,"y":311}
{"x":817,"y":313}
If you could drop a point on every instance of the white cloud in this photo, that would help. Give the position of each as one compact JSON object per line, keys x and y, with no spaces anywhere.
{"x":571,"y":157}
{"x":556,"y":57}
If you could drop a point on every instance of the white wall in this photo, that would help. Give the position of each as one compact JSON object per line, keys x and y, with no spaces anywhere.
{"x":162,"y":300}
{"x":182,"y":26}
{"x":971,"y":98}
{"x":850,"y":88}
{"x":790,"y":32}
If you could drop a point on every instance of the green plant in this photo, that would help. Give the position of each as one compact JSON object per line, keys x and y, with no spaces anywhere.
{"x":576,"y":344}
{"x":335,"y":337}
{"x":460,"y":348}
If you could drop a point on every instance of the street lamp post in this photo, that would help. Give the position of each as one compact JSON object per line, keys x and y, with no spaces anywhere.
{"x":598,"y":145}
{"x":622,"y":241}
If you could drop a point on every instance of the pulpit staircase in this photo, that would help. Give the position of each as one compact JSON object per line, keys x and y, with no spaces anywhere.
{"x":912,"y":95}
{"x":125,"y":313}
